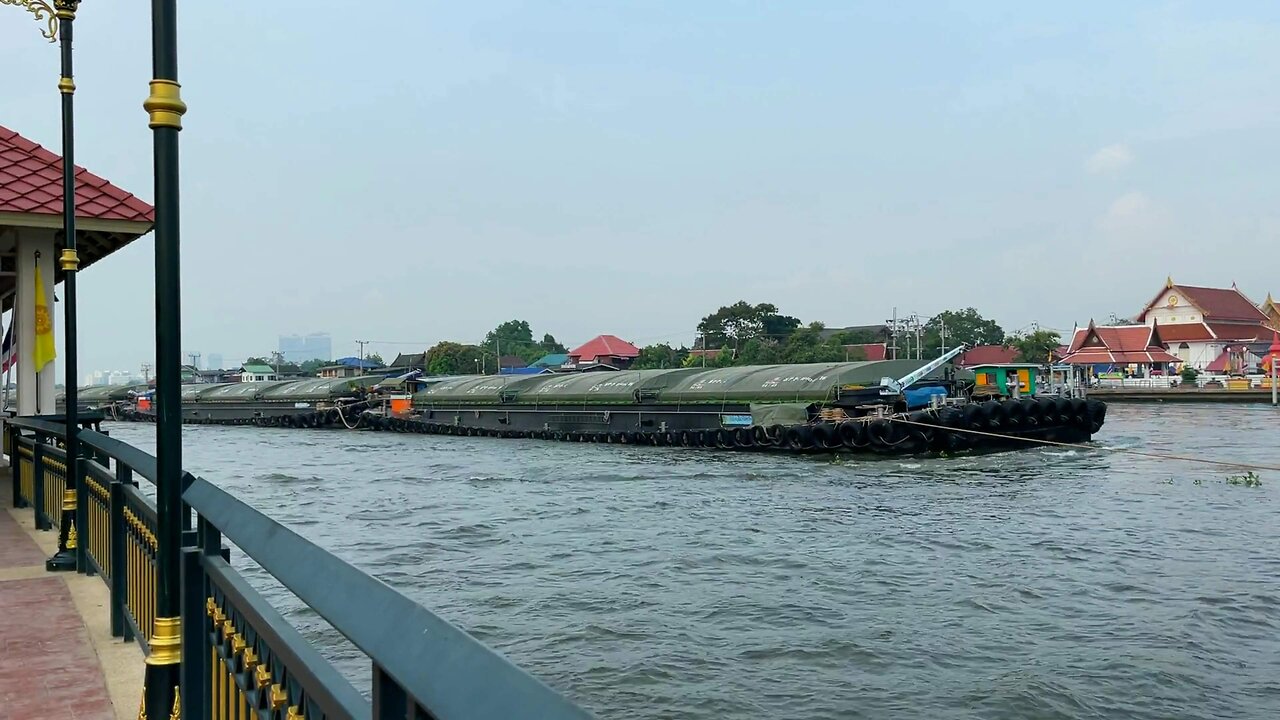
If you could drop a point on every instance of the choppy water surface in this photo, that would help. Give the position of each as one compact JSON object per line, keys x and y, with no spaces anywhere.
{"x":669,"y":583}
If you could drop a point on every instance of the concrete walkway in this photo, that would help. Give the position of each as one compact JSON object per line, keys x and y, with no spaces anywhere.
{"x":57,"y":656}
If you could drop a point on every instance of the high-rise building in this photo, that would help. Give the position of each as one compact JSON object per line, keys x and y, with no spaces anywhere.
{"x":301,"y":348}
{"x":215,"y":362}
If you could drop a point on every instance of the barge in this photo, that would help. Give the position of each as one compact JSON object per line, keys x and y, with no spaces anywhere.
{"x":894,"y":407}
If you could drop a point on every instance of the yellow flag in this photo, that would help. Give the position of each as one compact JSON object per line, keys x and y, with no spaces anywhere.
{"x":44,"y":351}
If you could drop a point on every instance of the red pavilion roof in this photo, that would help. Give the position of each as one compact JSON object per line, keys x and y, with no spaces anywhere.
{"x":31,"y":183}
{"x":1121,"y":345}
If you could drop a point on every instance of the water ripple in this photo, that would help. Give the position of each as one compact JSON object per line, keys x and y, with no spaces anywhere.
{"x":669,"y":583}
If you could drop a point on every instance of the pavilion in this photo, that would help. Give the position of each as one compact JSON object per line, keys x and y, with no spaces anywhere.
{"x":1121,"y":347}
{"x":107,"y":219}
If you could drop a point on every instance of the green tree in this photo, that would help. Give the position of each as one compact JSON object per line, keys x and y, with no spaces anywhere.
{"x":375,"y":358}
{"x":760,"y":351}
{"x":1035,"y":346}
{"x":857,"y":337}
{"x":733,"y":325}
{"x":515,"y":337}
{"x":806,"y":345}
{"x":549,"y":345}
{"x":661,"y":355}
{"x":451,"y":358}
{"x":311,"y":367}
{"x":511,"y":332}
{"x":257,"y":361}
{"x":966,"y":326}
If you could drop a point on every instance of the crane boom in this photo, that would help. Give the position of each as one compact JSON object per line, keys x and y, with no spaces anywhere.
{"x":890,"y":386}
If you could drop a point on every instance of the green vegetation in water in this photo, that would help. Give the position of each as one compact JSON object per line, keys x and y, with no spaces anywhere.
{"x":1248,"y":479}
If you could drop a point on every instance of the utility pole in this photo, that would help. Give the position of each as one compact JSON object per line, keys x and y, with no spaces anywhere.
{"x":362,"y":343}
{"x":893,"y":334}
{"x":278,"y":357}
{"x":942,"y":333}
{"x":146,"y":373}
{"x":195,"y":359}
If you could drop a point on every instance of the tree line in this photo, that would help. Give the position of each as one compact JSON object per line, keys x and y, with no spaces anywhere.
{"x":736,"y":334}
{"x":746,"y":334}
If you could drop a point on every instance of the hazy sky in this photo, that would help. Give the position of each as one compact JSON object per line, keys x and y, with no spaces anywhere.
{"x":417,"y":171}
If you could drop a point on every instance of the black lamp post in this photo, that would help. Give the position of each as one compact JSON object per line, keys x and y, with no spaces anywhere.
{"x":59,"y":20}
{"x":69,"y":555}
{"x":165,"y":108}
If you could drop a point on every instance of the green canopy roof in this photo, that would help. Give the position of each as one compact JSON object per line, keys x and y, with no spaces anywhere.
{"x":809,"y":382}
{"x":602,"y":387}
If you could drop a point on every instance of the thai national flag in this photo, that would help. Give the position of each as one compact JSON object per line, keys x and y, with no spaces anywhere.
{"x":8,"y":357}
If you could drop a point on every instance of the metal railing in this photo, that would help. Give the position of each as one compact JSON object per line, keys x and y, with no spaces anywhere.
{"x":240,"y":657}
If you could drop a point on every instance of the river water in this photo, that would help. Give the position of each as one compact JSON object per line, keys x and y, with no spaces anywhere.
{"x":650,"y":582}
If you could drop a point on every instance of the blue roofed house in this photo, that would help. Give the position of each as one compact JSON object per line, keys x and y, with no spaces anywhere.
{"x":349,"y":367}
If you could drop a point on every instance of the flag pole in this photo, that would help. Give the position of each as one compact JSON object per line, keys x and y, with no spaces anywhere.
{"x":35,"y":371}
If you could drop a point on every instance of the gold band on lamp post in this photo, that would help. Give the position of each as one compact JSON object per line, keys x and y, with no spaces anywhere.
{"x":70,"y":261}
{"x":164,"y":104}
{"x":42,"y":12}
{"x":66,"y":85}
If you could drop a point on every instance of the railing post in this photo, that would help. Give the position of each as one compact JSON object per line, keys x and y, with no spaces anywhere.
{"x":15,"y":464}
{"x":196,"y":692}
{"x":389,"y":699}
{"x":37,"y":482}
{"x":82,"y":507}
{"x":119,"y":567}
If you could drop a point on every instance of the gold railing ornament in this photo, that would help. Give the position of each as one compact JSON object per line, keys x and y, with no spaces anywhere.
{"x":42,"y":12}
{"x":142,"y":704}
{"x":73,"y":540}
{"x":279,"y":698}
{"x":166,"y":642}
{"x":176,"y":712}
{"x":294,"y":713}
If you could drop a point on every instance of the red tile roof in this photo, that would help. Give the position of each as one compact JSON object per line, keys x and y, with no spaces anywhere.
{"x":1236,"y":332}
{"x":1223,"y":303}
{"x":1216,"y":303}
{"x":1122,"y":344}
{"x":604,"y":346}
{"x":1183,"y":332}
{"x":31,"y":182}
{"x":987,"y":355}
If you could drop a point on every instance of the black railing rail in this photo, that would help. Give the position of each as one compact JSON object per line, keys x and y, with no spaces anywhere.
{"x":239,"y":656}
{"x":444,"y":673}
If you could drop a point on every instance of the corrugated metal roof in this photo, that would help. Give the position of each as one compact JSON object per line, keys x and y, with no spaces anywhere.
{"x":551,"y":360}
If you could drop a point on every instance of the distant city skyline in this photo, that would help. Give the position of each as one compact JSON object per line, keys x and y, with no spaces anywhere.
{"x":301,"y":348}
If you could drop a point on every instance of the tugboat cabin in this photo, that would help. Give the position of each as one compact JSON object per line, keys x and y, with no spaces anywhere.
{"x":1008,"y":379}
